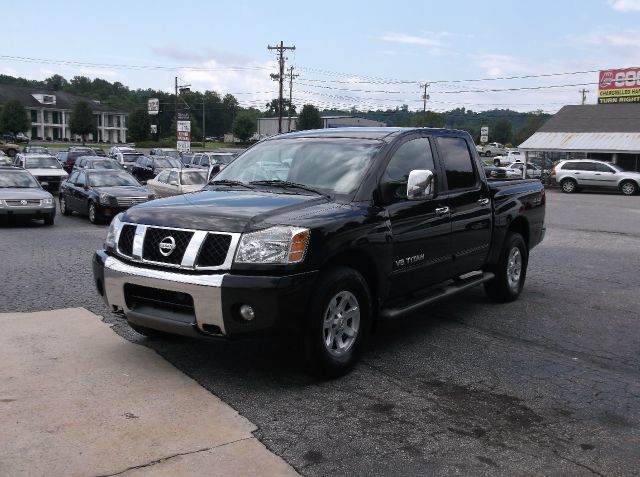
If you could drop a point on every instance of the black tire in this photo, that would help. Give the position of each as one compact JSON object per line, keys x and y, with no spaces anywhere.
{"x":93,"y":214}
{"x":504,"y":287}
{"x":49,"y":219}
{"x":487,"y":154}
{"x":64,"y":208}
{"x":149,"y":332}
{"x":339,"y":285}
{"x":11,"y":153}
{"x":569,"y":186}
{"x":628,"y":187}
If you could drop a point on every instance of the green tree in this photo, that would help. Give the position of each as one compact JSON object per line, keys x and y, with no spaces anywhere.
{"x":309,"y":118}
{"x":244,"y":126}
{"x":532,"y":124}
{"x":502,"y":131}
{"x":427,"y":120}
{"x":82,"y":120}
{"x":14,"y":117}
{"x":272,"y":108}
{"x":139,"y":125}
{"x":56,"y":83}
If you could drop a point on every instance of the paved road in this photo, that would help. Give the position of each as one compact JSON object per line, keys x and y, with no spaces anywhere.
{"x":547,"y":385}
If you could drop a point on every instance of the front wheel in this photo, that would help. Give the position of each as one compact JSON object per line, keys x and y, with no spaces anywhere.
{"x":93,"y":214}
{"x":49,"y":219}
{"x":510,"y":271}
{"x":339,"y":322}
{"x":12,"y":153}
{"x":629,"y":188}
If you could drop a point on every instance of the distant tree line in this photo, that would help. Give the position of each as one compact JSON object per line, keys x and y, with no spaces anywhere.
{"x":222,"y":112}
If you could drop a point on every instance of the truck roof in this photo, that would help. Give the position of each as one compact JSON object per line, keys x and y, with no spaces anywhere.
{"x":356,"y":132}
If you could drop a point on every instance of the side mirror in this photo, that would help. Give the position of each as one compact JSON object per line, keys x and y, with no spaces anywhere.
{"x":420,"y":185}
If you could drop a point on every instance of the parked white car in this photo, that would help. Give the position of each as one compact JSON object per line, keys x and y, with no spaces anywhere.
{"x":177,"y":181}
{"x":45,"y":168}
{"x":515,"y":170}
{"x":573,"y":175}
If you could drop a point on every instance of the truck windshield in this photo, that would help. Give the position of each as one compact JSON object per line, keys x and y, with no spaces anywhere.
{"x":44,"y":162}
{"x":329,"y":165}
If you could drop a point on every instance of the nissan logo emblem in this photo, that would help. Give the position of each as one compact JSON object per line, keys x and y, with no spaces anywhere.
{"x":167,"y":246}
{"x":23,"y":202}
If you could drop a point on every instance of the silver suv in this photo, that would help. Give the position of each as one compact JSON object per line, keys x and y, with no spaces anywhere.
{"x":574,"y":174}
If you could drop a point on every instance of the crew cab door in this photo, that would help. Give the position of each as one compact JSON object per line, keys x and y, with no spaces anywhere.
{"x":469,"y":204}
{"x":420,"y":229}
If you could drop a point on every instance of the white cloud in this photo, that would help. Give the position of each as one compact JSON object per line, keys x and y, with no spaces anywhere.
{"x":411,"y":39}
{"x":625,"y":5}
{"x":620,"y":39}
{"x":496,"y":64}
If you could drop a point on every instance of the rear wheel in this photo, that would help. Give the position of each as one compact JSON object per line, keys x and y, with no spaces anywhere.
{"x":629,"y":188}
{"x":64,"y":209}
{"x":510,"y":271}
{"x":11,"y":152}
{"x":569,"y":186}
{"x":338,"y":325}
{"x":49,"y":219}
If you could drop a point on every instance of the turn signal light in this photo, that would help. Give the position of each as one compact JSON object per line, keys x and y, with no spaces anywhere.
{"x":298,"y":246}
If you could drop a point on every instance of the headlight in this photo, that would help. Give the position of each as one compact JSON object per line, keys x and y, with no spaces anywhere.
{"x":105,"y":199}
{"x":116,"y":223}
{"x":280,"y":244}
{"x":47,"y":201}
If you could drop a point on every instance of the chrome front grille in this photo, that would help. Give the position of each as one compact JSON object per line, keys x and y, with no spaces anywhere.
{"x":130,"y":201}
{"x":22,"y":203}
{"x":177,"y":248}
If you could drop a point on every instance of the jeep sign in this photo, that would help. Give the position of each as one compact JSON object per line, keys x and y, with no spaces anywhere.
{"x":153,"y":106}
{"x":619,"y":86}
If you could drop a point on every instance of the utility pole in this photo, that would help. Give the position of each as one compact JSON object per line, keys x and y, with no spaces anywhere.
{"x":584,"y":95}
{"x":291,"y":76}
{"x":280,"y":49}
{"x":425,"y":97}
{"x":204,"y":129}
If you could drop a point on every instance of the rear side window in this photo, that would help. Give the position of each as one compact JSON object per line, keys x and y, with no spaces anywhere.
{"x":457,"y":162}
{"x":579,"y":166}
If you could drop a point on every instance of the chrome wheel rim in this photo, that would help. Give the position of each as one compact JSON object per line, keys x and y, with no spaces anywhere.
{"x":92,"y":213}
{"x":63,"y":205}
{"x":514,"y":268}
{"x":341,"y":323}
{"x":628,"y":189}
{"x":568,"y":186}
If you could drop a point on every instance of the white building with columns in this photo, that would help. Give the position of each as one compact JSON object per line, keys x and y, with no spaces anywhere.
{"x":50,"y":113}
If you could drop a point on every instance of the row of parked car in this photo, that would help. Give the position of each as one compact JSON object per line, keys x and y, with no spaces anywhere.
{"x":101,"y":184}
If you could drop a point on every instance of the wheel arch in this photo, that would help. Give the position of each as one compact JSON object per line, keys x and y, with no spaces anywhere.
{"x":520,"y":225}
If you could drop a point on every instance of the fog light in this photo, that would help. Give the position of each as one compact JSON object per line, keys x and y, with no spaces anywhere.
{"x":247,"y":312}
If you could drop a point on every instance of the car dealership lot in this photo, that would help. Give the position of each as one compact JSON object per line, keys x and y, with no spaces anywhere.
{"x":548,"y":384}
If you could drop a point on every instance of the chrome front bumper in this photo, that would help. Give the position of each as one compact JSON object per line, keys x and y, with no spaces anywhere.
{"x":204,"y":289}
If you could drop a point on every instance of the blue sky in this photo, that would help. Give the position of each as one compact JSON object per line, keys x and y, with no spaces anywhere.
{"x":368,"y":54}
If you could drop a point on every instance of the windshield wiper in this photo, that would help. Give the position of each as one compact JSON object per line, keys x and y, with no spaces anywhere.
{"x":227,"y":182}
{"x":293,"y":185}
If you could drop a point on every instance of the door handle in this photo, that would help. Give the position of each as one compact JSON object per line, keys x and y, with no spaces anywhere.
{"x":483,"y":201}
{"x":442,"y":211}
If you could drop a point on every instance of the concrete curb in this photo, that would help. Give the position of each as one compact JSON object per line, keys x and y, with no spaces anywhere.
{"x":77,"y":399}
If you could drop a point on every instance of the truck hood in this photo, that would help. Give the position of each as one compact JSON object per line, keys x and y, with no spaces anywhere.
{"x":26,"y":193}
{"x":123,"y":191}
{"x":223,"y":211}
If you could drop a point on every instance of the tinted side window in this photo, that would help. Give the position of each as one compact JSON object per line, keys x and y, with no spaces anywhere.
{"x":80,"y":179}
{"x":414,"y":154}
{"x":457,"y":161}
{"x":74,"y":177}
{"x":173,"y":176}
{"x":586,"y":166}
{"x":569,"y":166}
{"x":603,"y":168}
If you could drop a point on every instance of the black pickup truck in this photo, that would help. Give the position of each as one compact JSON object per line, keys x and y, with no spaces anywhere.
{"x":321,"y":234}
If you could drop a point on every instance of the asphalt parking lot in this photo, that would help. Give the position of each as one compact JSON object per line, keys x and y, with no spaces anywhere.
{"x":548,"y":385}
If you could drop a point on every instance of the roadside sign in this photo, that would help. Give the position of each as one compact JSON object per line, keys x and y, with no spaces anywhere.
{"x":484,"y":138}
{"x":484,"y":131}
{"x":154,"y":129}
{"x":183,"y":131}
{"x":153,"y":106}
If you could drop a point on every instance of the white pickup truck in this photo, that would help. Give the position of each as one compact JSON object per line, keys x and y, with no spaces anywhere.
{"x":508,"y":158}
{"x":491,"y":149}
